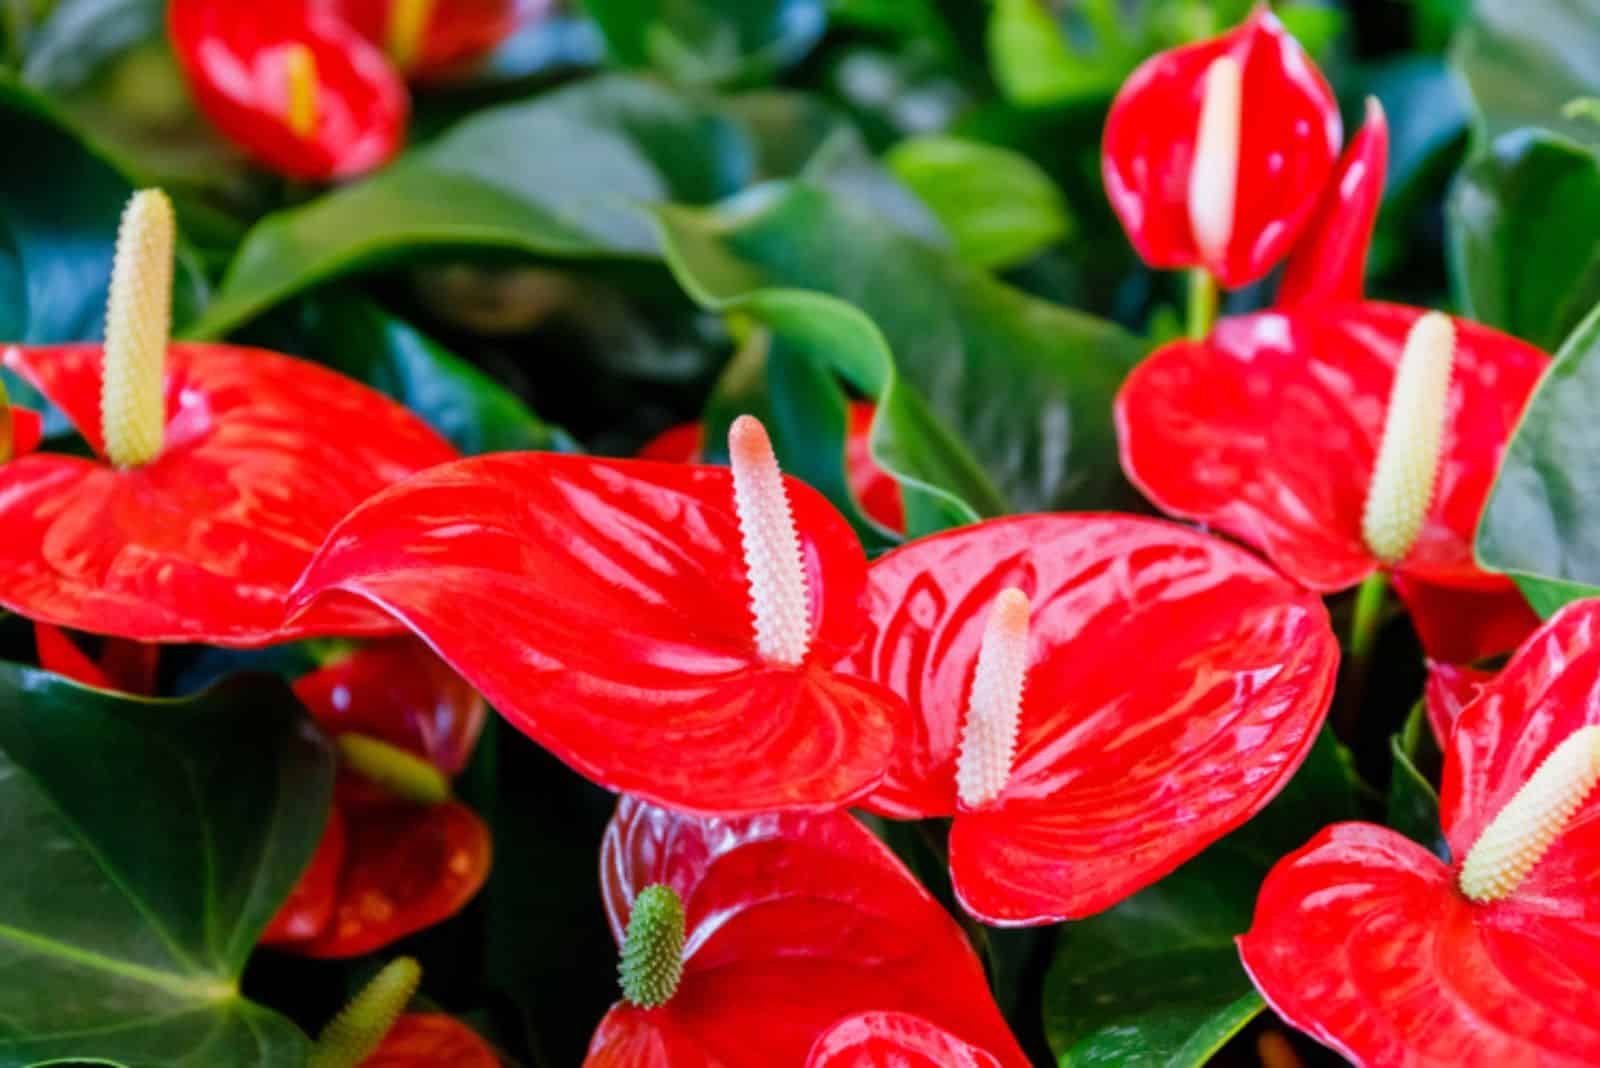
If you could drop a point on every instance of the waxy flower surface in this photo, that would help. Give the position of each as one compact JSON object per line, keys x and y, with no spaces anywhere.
{"x":431,"y":1040}
{"x":1215,"y":154}
{"x":429,"y":39}
{"x":787,"y":924}
{"x":1096,"y":699}
{"x":894,"y":1040}
{"x":668,"y":630}
{"x":1374,"y":946}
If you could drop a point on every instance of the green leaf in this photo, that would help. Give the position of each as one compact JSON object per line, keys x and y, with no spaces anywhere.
{"x":1521,"y":63}
{"x":1542,"y":522}
{"x":1034,"y":65}
{"x":709,"y":42}
{"x":496,"y":183}
{"x":1413,"y":803}
{"x":1156,"y":980}
{"x":1525,"y":236}
{"x":989,"y":400}
{"x":155,"y":839}
{"x":1000,"y":208}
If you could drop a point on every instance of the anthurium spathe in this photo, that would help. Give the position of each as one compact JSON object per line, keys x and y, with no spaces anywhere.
{"x":763,"y":933}
{"x":21,"y":431}
{"x":1096,"y":698}
{"x":1215,"y":154}
{"x":431,"y":1040}
{"x":669,"y":630}
{"x":292,"y":85}
{"x":399,"y":854}
{"x":1371,"y":944}
{"x":429,"y":39}
{"x":894,"y":1040}
{"x":216,"y":473}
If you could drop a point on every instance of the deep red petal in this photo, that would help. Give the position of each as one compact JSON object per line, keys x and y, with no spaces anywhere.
{"x":1459,"y":626}
{"x":1362,"y":941}
{"x":894,"y":1040}
{"x":407,"y":867}
{"x":432,"y":1040}
{"x":675,"y":445}
{"x":27,"y":429}
{"x":263,"y":455}
{"x":399,"y":692}
{"x":1329,"y":262}
{"x":602,"y":607}
{"x":457,"y":32}
{"x":794,"y":922}
{"x":1289,"y":139}
{"x":1270,"y":430}
{"x":1547,"y":690}
{"x":630,"y":1037}
{"x":1449,"y":689}
{"x":233,"y":56}
{"x":60,"y":655}
{"x":309,"y":908}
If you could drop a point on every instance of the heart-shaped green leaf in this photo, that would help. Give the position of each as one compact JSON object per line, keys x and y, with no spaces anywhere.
{"x":151,"y":842}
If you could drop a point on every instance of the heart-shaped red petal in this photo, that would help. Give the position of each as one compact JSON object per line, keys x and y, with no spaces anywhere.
{"x":1329,"y":262}
{"x":793,"y":922}
{"x":1269,"y":430}
{"x":894,"y":1040}
{"x":263,"y":454}
{"x":235,"y":58}
{"x":431,"y":1040}
{"x":306,"y":912}
{"x":1289,"y":134}
{"x":602,"y":607}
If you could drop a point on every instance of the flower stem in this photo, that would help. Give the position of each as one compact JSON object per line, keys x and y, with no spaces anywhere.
{"x":1364,"y":622}
{"x":1203,"y":302}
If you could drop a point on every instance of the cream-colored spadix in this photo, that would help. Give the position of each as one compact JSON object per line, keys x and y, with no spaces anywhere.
{"x":138,"y":324}
{"x":1407,"y":468}
{"x":1523,"y":832}
{"x":772,"y":559}
{"x":305,"y":104}
{"x":404,"y":34}
{"x":1214,"y":175}
{"x":994,"y":709}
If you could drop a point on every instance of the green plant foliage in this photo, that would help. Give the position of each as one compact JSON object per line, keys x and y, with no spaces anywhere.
{"x":709,"y":42}
{"x":1522,"y":63}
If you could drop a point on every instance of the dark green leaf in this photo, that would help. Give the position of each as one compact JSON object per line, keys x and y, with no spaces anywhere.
{"x":154,"y":841}
{"x":709,"y":42}
{"x":1413,"y":803}
{"x":1523,"y":62}
{"x":1525,"y":236}
{"x":1542,"y":522}
{"x":997,"y":204}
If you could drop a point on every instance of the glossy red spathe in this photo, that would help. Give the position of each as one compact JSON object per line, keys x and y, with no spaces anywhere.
{"x":431,"y":1040}
{"x":235,"y":56}
{"x":456,"y":33}
{"x":1289,"y":139}
{"x":123,"y":666}
{"x":1329,"y":261}
{"x":263,"y":454}
{"x":621,"y":635}
{"x":794,"y":922}
{"x":1363,"y":939}
{"x":27,"y":430}
{"x":1450,"y":689}
{"x":894,"y":1040}
{"x":1174,"y":684}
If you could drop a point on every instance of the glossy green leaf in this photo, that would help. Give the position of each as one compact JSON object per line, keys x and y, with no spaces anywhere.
{"x":1413,"y":803}
{"x":1542,"y":522}
{"x":1525,"y":236}
{"x":709,"y":42}
{"x":153,"y":841}
{"x":1156,"y":980}
{"x":1522,"y":62}
{"x":990,"y":400}
{"x":997,"y":205}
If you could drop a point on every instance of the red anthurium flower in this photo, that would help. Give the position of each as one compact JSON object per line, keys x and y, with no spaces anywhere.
{"x":1329,"y":262}
{"x":291,"y":84}
{"x":431,"y":1040}
{"x":1097,"y":699}
{"x":1216,"y":153}
{"x":1449,"y":690}
{"x":124,"y":666}
{"x":217,"y":472}
{"x":894,"y":1040}
{"x":874,"y":487}
{"x":1371,"y":944}
{"x":427,"y":39}
{"x":668,"y":630}
{"x":398,"y":855}
{"x":26,"y":430}
{"x":745,"y":940}
{"x":1339,"y":439}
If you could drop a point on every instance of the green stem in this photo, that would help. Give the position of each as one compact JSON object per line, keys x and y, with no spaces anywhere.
{"x":7,"y":439}
{"x":1203,"y":301}
{"x":1365,"y":619}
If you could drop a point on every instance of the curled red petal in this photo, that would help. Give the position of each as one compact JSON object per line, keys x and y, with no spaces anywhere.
{"x":1174,"y":684}
{"x":233,"y":55}
{"x":59,"y":654}
{"x":1449,"y":689}
{"x":793,"y":922}
{"x":406,"y":868}
{"x":309,"y":907}
{"x":1329,"y":262}
{"x":894,"y":1040}
{"x":1289,"y":139}
{"x":602,"y":607}
{"x":399,"y":692}
{"x":1460,"y":626}
{"x":432,"y":1040}
{"x":1362,"y":941}
{"x":1269,"y":430}
{"x":457,"y":31}
{"x":27,"y":430}
{"x":681,"y":444}
{"x":263,"y":454}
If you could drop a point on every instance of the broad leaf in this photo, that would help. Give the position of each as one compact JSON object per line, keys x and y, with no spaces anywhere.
{"x":153,"y":841}
{"x":1413,"y":803}
{"x":1522,"y":63}
{"x":1542,"y":522}
{"x":709,"y":42}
